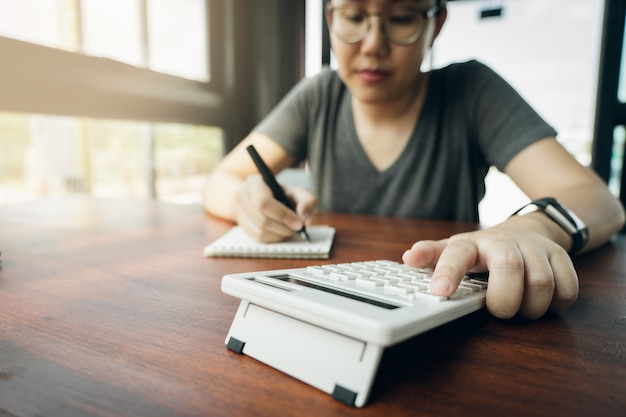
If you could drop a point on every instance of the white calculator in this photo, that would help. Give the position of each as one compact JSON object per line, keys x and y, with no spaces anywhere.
{"x":327,"y":325}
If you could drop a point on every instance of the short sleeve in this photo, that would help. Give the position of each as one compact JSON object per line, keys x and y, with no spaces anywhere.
{"x":290,"y":122}
{"x":503,"y":122}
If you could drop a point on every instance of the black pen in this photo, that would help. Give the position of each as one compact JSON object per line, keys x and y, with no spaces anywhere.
{"x":277,"y":190}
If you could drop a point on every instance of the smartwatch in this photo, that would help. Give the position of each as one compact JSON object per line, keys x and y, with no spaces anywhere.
{"x":564,"y":217}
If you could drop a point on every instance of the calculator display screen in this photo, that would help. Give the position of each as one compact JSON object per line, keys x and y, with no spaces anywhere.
{"x":294,"y":280}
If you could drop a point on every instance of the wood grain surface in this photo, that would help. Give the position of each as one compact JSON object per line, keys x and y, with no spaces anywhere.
{"x":108,"y":308}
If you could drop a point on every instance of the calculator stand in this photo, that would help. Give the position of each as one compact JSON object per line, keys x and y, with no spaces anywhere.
{"x":339,"y":365}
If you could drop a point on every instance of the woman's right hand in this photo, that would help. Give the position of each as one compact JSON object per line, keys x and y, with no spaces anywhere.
{"x":266,"y":219}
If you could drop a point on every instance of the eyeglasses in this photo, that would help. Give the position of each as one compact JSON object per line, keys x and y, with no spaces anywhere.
{"x":402,"y":25}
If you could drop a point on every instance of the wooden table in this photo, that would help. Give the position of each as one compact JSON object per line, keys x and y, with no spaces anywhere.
{"x":108,"y":308}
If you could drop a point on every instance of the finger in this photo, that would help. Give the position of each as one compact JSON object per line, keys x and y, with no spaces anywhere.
{"x":261,"y":215}
{"x":424,"y":254}
{"x":261,"y":227}
{"x":538,"y":285}
{"x":458,"y":257}
{"x":258,"y":233}
{"x":305,"y":201}
{"x":506,"y":278}
{"x":282,"y":219}
{"x":565,"y":281}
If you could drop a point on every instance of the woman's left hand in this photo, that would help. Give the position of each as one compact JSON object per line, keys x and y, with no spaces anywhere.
{"x":528,"y":273}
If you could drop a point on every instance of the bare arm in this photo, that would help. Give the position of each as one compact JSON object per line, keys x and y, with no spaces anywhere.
{"x":526,"y":256}
{"x":547,"y":169}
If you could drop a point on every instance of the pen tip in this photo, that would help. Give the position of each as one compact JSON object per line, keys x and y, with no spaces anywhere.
{"x":306,"y":236}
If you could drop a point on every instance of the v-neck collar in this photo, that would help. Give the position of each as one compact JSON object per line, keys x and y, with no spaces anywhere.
{"x":346,"y":106}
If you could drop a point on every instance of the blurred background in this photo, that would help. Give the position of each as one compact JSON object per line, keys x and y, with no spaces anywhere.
{"x":141,"y":98}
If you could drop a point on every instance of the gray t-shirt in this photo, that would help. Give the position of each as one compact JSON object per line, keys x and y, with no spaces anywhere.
{"x":471,"y":119}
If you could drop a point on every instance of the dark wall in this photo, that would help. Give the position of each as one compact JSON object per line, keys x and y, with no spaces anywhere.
{"x":267,"y":55}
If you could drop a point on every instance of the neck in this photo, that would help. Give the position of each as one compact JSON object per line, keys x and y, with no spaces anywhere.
{"x":407,"y":105}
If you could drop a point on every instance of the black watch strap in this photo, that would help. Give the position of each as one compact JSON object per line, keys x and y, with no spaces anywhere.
{"x":565,"y":218}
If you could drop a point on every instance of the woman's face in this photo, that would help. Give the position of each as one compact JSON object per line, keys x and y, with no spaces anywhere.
{"x":375,"y":69}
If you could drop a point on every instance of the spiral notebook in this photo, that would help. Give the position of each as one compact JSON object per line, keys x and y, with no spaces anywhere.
{"x":237,"y":244}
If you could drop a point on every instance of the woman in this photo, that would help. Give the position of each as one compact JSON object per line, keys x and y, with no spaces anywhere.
{"x":383,"y":137}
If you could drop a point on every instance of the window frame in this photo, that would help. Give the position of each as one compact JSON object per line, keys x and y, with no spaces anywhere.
{"x":45,"y":80}
{"x":610,"y":112}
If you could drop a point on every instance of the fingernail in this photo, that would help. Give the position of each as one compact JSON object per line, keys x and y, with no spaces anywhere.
{"x":442,"y":286}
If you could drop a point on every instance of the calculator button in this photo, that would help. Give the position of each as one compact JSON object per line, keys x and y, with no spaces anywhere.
{"x":342,"y":276}
{"x":369,"y":282}
{"x":430,"y":297}
{"x":388,"y":279}
{"x":331,"y":268}
{"x":397,"y":290}
{"x":470,"y":286}
{"x":386,"y":262}
{"x":410,"y":275}
{"x":479,"y":282}
{"x":417,"y":286}
{"x":459,"y":293}
{"x":400,"y":277}
{"x":316,"y":270}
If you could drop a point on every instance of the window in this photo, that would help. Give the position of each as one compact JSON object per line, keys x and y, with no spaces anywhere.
{"x":177,"y":31}
{"x":46,"y":22}
{"x":619,"y":132}
{"x":167,"y":36}
{"x":621,"y":89}
{"x":112,"y":29}
{"x":44,"y":156}
{"x":314,"y":36}
{"x":617,"y":159}
{"x":548,"y":51}
{"x":608,"y":147}
{"x":552,"y":62}
{"x":118,"y":98}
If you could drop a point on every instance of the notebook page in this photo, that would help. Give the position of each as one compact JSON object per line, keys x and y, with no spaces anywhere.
{"x":237,"y":243}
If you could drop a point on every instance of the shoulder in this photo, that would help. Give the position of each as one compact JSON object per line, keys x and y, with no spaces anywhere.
{"x":465,"y":67}
{"x":314,"y":96}
{"x":325,"y":82}
{"x":473,"y":84}
{"x":464,"y":72}
{"x":326,"y":76}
